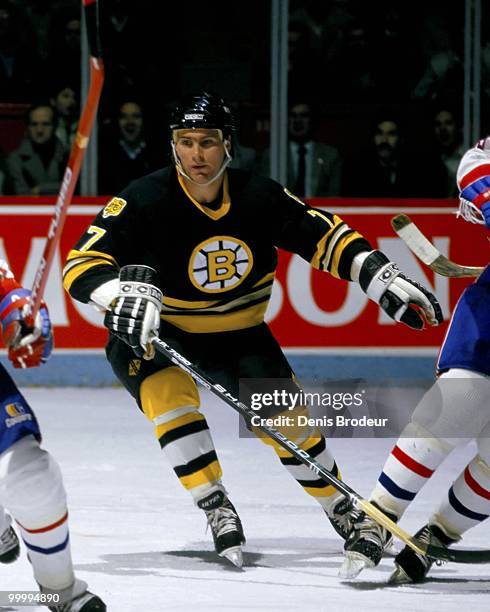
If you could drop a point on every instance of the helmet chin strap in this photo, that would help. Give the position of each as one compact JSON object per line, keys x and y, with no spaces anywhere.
{"x":178,"y":164}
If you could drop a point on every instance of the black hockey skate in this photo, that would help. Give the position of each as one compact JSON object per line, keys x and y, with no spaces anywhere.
{"x":411,"y":567}
{"x":343,"y":516}
{"x":88,"y":602}
{"x":365,"y":545}
{"x":225,"y":525}
{"x":9,"y":546}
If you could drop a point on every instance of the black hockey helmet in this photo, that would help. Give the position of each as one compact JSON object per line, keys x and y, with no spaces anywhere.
{"x":203,"y":110}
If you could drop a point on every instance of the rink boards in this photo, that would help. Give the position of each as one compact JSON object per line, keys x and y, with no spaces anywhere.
{"x":321,"y":321}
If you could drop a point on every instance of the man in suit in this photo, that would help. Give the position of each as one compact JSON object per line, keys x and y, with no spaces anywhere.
{"x":37,"y":165}
{"x":313,"y":167}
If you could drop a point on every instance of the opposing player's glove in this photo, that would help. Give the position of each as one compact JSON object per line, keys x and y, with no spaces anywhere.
{"x":400,"y":297}
{"x":473,"y":180}
{"x":134,"y":315}
{"x":29,"y":343}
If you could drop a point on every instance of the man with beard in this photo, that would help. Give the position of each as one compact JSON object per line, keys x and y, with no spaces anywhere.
{"x":387,"y":169}
{"x":36,"y":166}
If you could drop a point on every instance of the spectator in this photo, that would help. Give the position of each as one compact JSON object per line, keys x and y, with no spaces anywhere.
{"x":65,"y":102}
{"x":352,"y":71}
{"x":40,"y":14}
{"x":126,"y":154}
{"x":450,"y":148}
{"x":300,"y":57}
{"x":37,"y":165}
{"x":442,"y":75}
{"x":19,"y":67}
{"x":313,"y":167}
{"x":65,"y":37}
{"x":386,"y":168}
{"x":391,"y":33}
{"x":326,"y":22}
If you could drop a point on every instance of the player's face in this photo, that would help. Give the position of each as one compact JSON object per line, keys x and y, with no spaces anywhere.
{"x":201,"y":153}
{"x":40,"y":128}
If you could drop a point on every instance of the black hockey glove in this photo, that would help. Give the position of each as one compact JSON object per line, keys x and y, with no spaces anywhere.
{"x":400,"y":297}
{"x":135,"y":313}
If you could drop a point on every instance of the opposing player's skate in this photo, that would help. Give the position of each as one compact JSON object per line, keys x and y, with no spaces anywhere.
{"x":342,"y":516}
{"x":85,"y":603}
{"x":76,"y":598}
{"x":225,"y":525}
{"x":410,"y":566}
{"x":9,"y":546}
{"x":365,"y":545}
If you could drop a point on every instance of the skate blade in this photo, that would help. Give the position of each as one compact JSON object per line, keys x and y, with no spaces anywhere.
{"x":399,"y":576}
{"x":353,"y":565}
{"x":234,"y":555}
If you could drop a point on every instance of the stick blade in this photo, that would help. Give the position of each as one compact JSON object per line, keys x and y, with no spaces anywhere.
{"x":427,"y":252}
{"x":400,"y":221}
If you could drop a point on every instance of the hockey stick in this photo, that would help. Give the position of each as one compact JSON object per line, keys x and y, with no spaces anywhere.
{"x":77,"y":153}
{"x":427,"y":252}
{"x":434,"y":552}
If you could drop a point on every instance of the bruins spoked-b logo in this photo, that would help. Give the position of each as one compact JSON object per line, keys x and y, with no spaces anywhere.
{"x":219,"y":264}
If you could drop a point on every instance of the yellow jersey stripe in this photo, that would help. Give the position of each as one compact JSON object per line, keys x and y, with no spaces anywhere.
{"x":210,"y":473}
{"x":202,"y":324}
{"x":223,"y":307}
{"x":339,"y":249}
{"x":99,"y":254}
{"x":71,"y":275}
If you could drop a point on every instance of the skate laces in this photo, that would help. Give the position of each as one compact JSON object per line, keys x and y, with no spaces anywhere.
{"x":223,"y":519}
{"x":368,"y":529}
{"x":344,"y":515}
{"x":426,"y":536}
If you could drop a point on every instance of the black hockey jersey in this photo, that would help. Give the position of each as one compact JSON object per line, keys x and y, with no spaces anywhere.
{"x":215,"y":264}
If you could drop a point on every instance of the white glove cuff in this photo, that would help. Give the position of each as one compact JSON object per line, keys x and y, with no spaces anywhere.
{"x":105,"y":294}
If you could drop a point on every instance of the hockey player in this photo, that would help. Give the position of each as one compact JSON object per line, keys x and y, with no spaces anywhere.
{"x":31,"y":486}
{"x":211,"y":235}
{"x":460,"y":397}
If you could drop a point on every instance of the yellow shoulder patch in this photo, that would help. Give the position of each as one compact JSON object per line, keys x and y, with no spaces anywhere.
{"x":113,"y":208}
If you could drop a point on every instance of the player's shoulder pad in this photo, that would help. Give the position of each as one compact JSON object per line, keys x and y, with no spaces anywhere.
{"x":148,"y":189}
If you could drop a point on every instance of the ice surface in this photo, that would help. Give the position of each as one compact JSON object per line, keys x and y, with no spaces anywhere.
{"x":140,"y":543}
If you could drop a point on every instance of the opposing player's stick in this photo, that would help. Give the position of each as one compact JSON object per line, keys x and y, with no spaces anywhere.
{"x":427,"y":252}
{"x":435,"y":552}
{"x":77,"y":153}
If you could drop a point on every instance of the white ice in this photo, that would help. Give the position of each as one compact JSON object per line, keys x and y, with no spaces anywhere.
{"x":140,"y":543}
